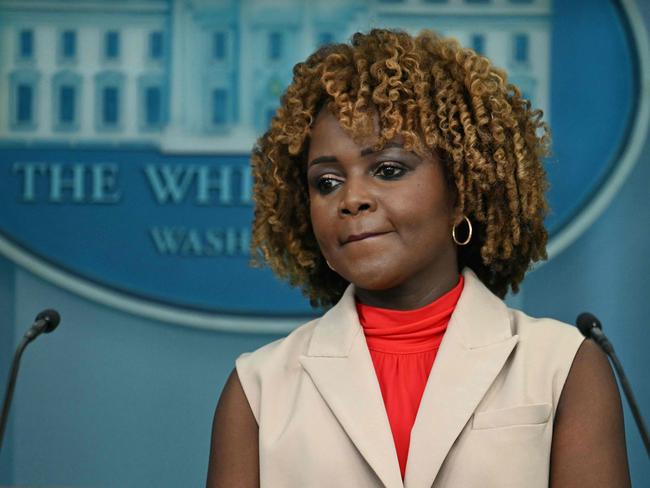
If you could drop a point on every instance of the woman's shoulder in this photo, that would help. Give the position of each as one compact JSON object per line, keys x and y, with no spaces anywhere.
{"x":481,"y":306}
{"x":281,"y":351}
{"x":273,"y":366}
{"x":543,"y":331}
{"x":546,"y":349}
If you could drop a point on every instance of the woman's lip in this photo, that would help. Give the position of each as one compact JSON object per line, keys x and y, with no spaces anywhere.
{"x":360,"y":237}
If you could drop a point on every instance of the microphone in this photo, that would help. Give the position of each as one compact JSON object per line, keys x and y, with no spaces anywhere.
{"x":591,"y":328}
{"x":45,"y":322}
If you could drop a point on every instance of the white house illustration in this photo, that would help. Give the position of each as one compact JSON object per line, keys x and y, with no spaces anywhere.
{"x":206,"y":75}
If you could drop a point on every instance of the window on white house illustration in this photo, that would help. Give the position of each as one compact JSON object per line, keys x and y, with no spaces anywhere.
{"x":67,"y":104}
{"x":112,"y":45}
{"x":69,"y":44}
{"x":110,"y":106}
{"x":478,"y":43}
{"x":24,"y":104}
{"x":275,"y":45}
{"x":153,"y":106}
{"x":26,"y":44}
{"x":521,"y":48}
{"x":66,"y":86}
{"x":156,"y":45}
{"x":219,"y":46}
{"x":219,"y":106}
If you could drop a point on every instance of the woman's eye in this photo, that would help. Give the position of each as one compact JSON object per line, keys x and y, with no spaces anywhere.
{"x":327,"y":184}
{"x":390,"y":171}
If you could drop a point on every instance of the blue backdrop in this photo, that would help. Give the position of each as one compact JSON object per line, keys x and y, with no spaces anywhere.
{"x":114,"y":399}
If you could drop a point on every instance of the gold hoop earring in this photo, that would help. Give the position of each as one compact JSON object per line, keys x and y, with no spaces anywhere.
{"x":469,"y":233}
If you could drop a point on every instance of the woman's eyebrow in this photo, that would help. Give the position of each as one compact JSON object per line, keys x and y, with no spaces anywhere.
{"x":322,"y":159}
{"x":370,"y":150}
{"x":364,"y":152}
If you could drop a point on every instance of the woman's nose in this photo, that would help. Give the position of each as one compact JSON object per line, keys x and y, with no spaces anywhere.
{"x":356,"y":199}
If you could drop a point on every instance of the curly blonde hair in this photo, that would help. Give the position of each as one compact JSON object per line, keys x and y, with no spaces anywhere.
{"x":440,"y":98}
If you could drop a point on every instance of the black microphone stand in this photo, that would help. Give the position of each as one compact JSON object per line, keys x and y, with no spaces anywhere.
{"x":591,"y":328}
{"x":627,"y":389}
{"x":10,"y":387}
{"x":46,"y":321}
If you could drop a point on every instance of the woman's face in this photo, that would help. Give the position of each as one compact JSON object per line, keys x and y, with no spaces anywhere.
{"x":382,"y":219}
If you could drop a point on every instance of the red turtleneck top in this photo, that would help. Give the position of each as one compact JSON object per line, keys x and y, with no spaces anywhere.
{"x":403,"y":345}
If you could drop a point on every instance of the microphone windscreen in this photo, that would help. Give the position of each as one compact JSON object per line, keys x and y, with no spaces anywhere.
{"x":586,"y":322}
{"x":51,"y":318}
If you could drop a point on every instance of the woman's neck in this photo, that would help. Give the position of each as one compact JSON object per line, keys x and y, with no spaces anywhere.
{"x":411,"y":295}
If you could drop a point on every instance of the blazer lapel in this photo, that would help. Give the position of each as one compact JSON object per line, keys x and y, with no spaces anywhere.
{"x":474,"y":349}
{"x":339,"y":364}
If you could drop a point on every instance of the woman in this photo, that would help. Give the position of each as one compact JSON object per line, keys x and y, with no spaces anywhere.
{"x":401,"y":181}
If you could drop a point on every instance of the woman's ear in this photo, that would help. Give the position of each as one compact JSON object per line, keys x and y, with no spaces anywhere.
{"x":455,"y":212}
{"x":458,"y":215}
{"x":444,"y":160}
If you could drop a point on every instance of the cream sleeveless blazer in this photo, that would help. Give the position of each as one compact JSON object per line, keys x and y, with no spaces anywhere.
{"x":485,"y":419}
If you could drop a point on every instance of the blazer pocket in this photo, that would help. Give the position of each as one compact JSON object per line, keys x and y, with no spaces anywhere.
{"x":533,"y":414}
